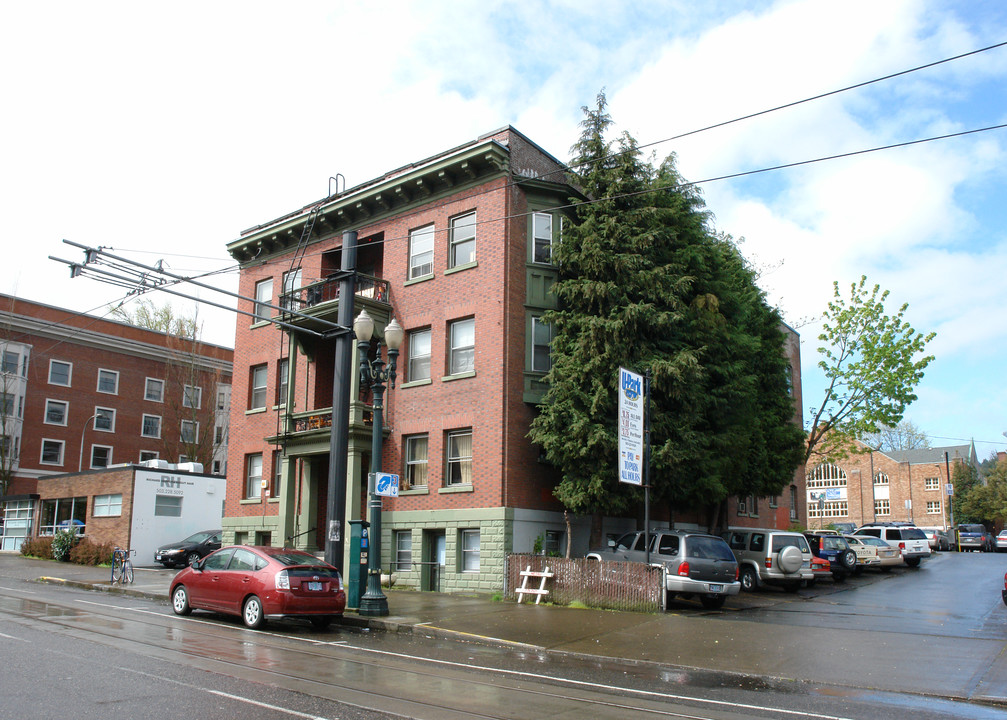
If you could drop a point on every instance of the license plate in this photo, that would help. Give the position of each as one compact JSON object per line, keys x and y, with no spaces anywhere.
{"x":314,"y":586}
{"x":716,"y":588}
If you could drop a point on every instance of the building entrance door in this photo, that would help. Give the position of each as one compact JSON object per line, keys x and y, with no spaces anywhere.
{"x":433,"y":563}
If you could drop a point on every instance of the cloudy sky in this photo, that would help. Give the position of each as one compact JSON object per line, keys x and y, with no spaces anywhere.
{"x":163,"y":130}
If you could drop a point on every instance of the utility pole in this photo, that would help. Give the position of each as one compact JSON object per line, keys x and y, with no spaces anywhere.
{"x":342,"y":377}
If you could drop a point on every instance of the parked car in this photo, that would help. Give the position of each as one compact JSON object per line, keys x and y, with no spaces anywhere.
{"x":867,"y":555}
{"x":694,"y":563}
{"x":938,"y":538}
{"x":257,"y":583}
{"x":834,"y":548}
{"x":888,"y":556}
{"x":974,"y":537}
{"x":844,"y":528}
{"x":188,"y":551}
{"x":820,"y":568}
{"x":906,"y":537}
{"x":1001,"y":541}
{"x":770,"y":557}
{"x":1003,"y":593}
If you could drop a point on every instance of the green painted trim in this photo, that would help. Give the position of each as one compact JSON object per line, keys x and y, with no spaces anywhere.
{"x":459,"y":268}
{"x":425,"y":278}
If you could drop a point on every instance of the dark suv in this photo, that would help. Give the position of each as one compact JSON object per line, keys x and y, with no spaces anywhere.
{"x":694,"y":563}
{"x":834,"y":548}
{"x":974,"y":537}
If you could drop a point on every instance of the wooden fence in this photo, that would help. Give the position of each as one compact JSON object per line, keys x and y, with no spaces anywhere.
{"x":613,"y":585}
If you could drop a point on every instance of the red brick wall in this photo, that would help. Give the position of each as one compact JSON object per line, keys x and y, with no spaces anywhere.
{"x":115,"y":530}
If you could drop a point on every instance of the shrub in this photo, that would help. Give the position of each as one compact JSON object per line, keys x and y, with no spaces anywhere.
{"x":88,"y":553}
{"x":39,"y":547}
{"x":63,"y":542}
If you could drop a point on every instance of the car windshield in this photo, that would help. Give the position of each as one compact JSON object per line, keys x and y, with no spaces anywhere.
{"x":708,"y":548}
{"x":871,"y":540}
{"x":970,"y":528}
{"x":913,"y":534}
{"x":198,"y":537}
{"x":625,"y":542}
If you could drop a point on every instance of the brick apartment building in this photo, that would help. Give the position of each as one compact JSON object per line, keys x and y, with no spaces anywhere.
{"x":457,"y":248}
{"x":874,"y":486}
{"x":79,"y":392}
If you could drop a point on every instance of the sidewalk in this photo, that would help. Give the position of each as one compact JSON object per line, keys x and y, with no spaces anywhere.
{"x":974,"y":669}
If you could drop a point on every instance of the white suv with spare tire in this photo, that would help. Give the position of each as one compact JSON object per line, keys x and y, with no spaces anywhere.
{"x":905,"y":537}
{"x":770,"y":557}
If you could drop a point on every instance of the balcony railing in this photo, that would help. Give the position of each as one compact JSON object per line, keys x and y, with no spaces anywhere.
{"x":319,"y":292}
{"x":320,"y":419}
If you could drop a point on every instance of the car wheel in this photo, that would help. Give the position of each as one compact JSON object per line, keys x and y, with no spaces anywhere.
{"x":810,"y":583}
{"x":839,"y":577}
{"x":749,"y":580}
{"x":848,"y":559}
{"x":251,"y":612}
{"x":180,"y":601}
{"x":191,"y":558}
{"x":713,"y":602}
{"x":321,"y":622}
{"x":913,"y":562}
{"x":790,"y":559}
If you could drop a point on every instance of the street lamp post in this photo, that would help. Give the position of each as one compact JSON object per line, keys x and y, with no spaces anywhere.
{"x":374,"y":374}
{"x":80,"y":459}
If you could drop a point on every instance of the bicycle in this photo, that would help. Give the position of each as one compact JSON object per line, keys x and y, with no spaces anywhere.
{"x":122,"y":566}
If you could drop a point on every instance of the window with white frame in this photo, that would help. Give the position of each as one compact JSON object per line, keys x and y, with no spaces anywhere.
{"x":416,"y":461}
{"x":291,"y":283}
{"x":827,"y":475}
{"x":882,"y":507}
{"x":7,"y":401}
{"x":931,"y":483}
{"x":542,"y":238}
{"x":421,"y":252}
{"x":146,"y":455}
{"x":403,"y":550}
{"x":56,"y":412}
{"x":153,"y":390}
{"x":462,"y":353}
{"x":470,"y":550}
{"x":107,"y":505}
{"x":459,"y":457}
{"x":104,"y":419}
{"x":8,"y":447}
{"x":257,"y":387}
{"x":11,"y":360}
{"x":274,"y":490}
{"x":463,"y":240}
{"x":833,"y":509}
{"x":52,"y":452}
{"x":192,"y":396}
{"x":263,"y":299}
{"x":880,"y":478}
{"x":933,"y":507}
{"x":151,"y":426}
{"x":419,"y":355}
{"x":101,"y":456}
{"x":253,"y":476}
{"x":189,"y":431}
{"x":60,"y":373}
{"x":541,"y":339}
{"x":108,"y":382}
{"x":282,"y":380}
{"x":168,"y":505}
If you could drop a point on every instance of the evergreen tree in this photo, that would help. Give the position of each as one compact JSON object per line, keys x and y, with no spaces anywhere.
{"x":644,"y":284}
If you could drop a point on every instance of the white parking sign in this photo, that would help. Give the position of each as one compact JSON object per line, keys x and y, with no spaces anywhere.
{"x":386,"y":484}
{"x":630,"y":427}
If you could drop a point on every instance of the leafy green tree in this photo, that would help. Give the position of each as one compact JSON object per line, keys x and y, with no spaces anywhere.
{"x":872,"y":362}
{"x":643,"y":283}
{"x":981,"y":502}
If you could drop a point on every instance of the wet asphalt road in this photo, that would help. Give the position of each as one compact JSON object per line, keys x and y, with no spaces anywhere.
{"x":882,"y":646}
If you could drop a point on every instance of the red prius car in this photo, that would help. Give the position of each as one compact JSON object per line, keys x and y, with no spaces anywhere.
{"x":257,"y":583}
